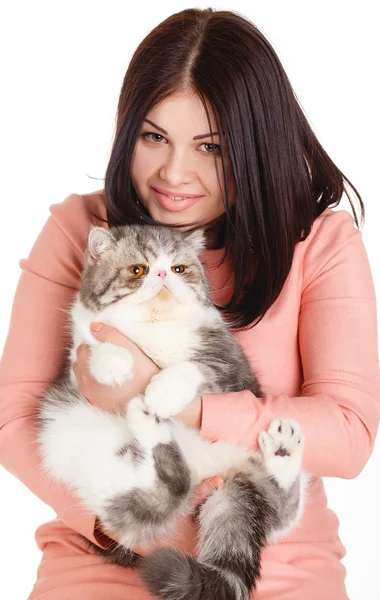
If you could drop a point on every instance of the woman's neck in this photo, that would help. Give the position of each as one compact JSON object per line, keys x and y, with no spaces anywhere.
{"x":215,"y":234}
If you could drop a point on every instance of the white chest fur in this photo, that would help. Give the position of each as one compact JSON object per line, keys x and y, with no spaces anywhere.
{"x":165,"y":330}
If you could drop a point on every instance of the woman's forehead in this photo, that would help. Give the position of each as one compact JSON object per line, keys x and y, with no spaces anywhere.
{"x":183,"y":113}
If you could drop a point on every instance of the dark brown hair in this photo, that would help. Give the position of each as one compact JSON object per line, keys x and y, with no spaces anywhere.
{"x":283,"y":178}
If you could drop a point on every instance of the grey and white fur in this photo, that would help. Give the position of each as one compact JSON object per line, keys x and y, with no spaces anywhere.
{"x":137,"y":469}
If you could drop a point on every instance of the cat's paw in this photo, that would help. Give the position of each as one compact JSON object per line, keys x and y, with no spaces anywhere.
{"x":110,"y":364}
{"x":172,"y":389}
{"x":148,"y":429}
{"x":166,"y":398}
{"x":282,"y":446}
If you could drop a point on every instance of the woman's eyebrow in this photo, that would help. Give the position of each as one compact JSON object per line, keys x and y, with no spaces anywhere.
{"x":196,"y":137}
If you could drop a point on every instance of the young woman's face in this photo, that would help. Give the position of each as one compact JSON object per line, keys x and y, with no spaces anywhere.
{"x":167,"y":156}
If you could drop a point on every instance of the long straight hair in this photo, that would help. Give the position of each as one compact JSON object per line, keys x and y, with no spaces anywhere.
{"x":283,"y":178}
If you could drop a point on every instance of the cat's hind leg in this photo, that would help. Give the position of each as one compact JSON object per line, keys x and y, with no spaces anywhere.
{"x":233,"y":522}
{"x":282,"y":446}
{"x":236,"y":522}
{"x":150,"y":508}
{"x":148,"y":429}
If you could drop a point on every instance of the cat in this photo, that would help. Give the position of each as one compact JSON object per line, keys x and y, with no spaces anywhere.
{"x":137,"y":469}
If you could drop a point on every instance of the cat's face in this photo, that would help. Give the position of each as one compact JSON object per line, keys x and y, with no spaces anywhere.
{"x":140,"y":264}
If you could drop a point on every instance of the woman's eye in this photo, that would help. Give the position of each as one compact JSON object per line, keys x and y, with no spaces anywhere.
{"x":138,"y":270}
{"x":146,"y":135}
{"x":157,"y":137}
{"x":178,"y":269}
{"x":215,"y":148}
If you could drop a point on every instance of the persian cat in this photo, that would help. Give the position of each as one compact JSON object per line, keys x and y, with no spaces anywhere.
{"x":137,"y":469}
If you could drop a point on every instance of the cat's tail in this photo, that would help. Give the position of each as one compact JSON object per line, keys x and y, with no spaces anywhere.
{"x":171,"y":575}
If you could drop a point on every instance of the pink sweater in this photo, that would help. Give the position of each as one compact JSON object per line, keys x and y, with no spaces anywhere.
{"x":315,"y":353}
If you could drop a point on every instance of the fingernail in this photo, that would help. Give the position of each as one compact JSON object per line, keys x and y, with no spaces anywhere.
{"x":215,"y":482}
{"x":96,"y":326}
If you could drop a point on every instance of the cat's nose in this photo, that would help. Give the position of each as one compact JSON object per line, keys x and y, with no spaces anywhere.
{"x":162,"y":273}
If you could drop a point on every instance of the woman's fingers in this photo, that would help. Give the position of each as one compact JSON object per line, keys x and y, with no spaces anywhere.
{"x":84,"y":380}
{"x":110,"y":335}
{"x":76,"y":370}
{"x":143,"y":367}
{"x":83,"y":352}
{"x":206,"y":488}
{"x":107,"y":397}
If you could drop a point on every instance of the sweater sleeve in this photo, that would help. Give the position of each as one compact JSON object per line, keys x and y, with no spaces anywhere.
{"x":32,"y":356}
{"x":338,"y":407}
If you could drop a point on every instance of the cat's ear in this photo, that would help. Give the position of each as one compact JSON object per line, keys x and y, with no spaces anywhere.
{"x":99,"y":240}
{"x":197,"y":240}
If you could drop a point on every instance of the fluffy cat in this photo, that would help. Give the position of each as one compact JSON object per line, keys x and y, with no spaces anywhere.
{"x":137,"y":469}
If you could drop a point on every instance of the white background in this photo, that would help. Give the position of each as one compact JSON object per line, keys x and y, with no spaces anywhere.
{"x":62,"y":65}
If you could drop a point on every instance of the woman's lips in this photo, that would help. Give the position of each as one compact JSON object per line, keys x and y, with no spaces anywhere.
{"x":174,"y":205}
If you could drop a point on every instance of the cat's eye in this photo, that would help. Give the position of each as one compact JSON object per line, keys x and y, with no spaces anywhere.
{"x":178,"y":269}
{"x":138,"y":270}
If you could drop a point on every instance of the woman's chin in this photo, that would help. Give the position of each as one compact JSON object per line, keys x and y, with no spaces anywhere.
{"x":166,"y":217}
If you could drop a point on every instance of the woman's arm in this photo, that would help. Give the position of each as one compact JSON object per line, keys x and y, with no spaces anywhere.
{"x":34,"y":351}
{"x":339,"y":404}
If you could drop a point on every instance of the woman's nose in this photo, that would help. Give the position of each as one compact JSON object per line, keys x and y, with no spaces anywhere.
{"x":176,"y":169}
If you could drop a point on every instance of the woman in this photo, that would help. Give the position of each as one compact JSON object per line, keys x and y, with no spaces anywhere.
{"x":207,"y":110}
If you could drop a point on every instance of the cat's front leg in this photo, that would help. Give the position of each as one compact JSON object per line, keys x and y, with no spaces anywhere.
{"x":110,"y":364}
{"x":173,"y":388}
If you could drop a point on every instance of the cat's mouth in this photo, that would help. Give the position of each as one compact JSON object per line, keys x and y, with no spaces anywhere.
{"x":164,"y":293}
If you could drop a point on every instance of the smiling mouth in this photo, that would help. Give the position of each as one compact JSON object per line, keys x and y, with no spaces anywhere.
{"x":173,"y":196}
{"x":174,"y":205}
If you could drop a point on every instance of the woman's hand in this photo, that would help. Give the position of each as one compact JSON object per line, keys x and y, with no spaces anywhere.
{"x":103,"y":396}
{"x":114,"y":398}
{"x":191,"y":415}
{"x":185,"y":536}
